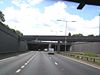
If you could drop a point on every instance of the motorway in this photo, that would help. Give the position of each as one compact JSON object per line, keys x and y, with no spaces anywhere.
{"x":40,"y":63}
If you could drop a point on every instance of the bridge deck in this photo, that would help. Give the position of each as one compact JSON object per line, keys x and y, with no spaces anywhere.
{"x":62,"y":38}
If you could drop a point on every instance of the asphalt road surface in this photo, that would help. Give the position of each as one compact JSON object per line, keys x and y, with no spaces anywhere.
{"x":40,"y":63}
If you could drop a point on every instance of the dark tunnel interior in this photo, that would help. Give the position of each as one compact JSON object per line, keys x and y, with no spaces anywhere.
{"x":41,"y":47}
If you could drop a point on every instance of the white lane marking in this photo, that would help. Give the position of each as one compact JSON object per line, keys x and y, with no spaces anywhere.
{"x":18,"y":70}
{"x":50,"y":57}
{"x":29,"y":60}
{"x":22,"y":66}
{"x":26,"y":63}
{"x":56,"y":63}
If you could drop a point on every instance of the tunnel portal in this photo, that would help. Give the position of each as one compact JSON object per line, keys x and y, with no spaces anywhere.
{"x":41,"y":47}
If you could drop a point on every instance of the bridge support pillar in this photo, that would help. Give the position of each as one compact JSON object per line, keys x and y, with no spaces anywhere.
{"x":58,"y":47}
{"x":49,"y":45}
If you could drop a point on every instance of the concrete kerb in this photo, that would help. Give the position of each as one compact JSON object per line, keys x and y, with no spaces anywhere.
{"x":80,"y":57}
{"x":81,"y":61}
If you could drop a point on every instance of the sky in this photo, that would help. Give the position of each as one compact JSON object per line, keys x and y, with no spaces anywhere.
{"x":40,"y":17}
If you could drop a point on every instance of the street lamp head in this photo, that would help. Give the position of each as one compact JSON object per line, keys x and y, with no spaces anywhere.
{"x":66,"y":21}
{"x":73,"y":21}
{"x":59,"y":20}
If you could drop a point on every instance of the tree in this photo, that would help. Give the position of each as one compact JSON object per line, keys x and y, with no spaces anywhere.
{"x":69,"y":34}
{"x":77,"y":34}
{"x":91,"y":35}
{"x":2,"y":19}
{"x":19,"y":33}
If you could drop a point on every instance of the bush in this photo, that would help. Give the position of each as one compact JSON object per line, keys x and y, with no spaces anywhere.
{"x":91,"y":54}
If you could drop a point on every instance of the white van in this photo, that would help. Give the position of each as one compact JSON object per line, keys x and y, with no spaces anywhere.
{"x":50,"y":50}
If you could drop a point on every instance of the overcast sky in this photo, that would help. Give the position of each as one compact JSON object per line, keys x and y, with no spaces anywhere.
{"x":39,"y":17}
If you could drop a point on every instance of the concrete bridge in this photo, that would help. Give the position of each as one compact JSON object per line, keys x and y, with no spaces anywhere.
{"x":62,"y":38}
{"x":37,"y":42}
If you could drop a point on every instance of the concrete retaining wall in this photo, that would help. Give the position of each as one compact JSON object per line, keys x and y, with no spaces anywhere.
{"x":23,"y":46}
{"x":9,"y":41}
{"x":86,"y":46}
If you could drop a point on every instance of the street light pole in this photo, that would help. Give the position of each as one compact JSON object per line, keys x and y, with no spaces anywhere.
{"x":66,"y":31}
{"x":65,"y":35}
{"x":55,"y":41}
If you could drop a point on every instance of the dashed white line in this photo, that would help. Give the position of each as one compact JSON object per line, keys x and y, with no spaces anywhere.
{"x":18,"y":70}
{"x":50,"y":57}
{"x":26,"y":63}
{"x":22,"y":66}
{"x":56,"y":63}
{"x":30,"y":60}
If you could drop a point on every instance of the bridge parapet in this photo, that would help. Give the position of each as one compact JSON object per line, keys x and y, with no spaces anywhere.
{"x":62,"y":38}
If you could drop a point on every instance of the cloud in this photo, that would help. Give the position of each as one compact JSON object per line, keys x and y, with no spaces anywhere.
{"x":34,"y":2}
{"x":57,"y":11}
{"x":27,"y":2}
{"x":26,"y":18}
{"x":31,"y":21}
{"x":1,"y":1}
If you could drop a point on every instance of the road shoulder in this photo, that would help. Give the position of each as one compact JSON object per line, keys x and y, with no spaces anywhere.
{"x":83,"y":62}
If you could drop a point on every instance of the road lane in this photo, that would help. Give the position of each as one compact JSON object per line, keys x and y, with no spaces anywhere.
{"x":40,"y":63}
{"x":45,"y":64}
{"x":70,"y":67}
{"x":10,"y":65}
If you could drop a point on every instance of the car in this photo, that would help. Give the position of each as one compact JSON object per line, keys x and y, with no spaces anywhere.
{"x":45,"y":49}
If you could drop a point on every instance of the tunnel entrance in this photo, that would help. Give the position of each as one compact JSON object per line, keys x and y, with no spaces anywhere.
{"x":41,"y":47}
{"x":37,"y":47}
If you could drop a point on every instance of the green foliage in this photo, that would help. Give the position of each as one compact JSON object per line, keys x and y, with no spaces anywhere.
{"x":18,"y":33}
{"x":91,"y":35}
{"x":2,"y":19}
{"x":77,"y":34}
{"x":91,"y":54}
{"x":69,"y":34}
